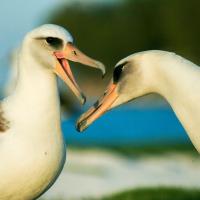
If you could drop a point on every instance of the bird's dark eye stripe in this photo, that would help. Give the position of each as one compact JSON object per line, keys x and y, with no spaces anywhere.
{"x":118,"y":72}
{"x":55,"y":42}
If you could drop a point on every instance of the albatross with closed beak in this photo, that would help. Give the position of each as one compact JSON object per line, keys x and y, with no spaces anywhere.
{"x":172,"y":76}
{"x":32,"y":149}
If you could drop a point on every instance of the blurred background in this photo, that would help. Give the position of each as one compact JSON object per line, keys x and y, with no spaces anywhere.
{"x":138,"y":145}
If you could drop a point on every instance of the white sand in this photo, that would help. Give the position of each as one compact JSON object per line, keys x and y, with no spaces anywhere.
{"x":93,"y":173}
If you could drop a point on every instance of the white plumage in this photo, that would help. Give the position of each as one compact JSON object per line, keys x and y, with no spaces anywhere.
{"x":32,"y":149}
{"x":165,"y":73}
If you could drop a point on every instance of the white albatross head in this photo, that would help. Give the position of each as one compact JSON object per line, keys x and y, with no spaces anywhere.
{"x":133,"y":77}
{"x":52,"y":46}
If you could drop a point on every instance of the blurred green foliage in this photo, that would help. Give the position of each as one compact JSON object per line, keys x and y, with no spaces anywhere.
{"x":134,"y":151}
{"x":154,"y":149}
{"x":159,"y":193}
{"x":110,"y":33}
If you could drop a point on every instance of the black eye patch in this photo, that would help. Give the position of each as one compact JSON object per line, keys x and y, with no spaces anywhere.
{"x":54,"y":42}
{"x":118,"y":72}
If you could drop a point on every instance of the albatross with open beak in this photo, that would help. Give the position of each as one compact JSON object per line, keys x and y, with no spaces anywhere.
{"x":32,"y":149}
{"x":165,"y":73}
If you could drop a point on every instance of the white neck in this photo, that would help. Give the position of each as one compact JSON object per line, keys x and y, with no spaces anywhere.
{"x":178,"y":80}
{"x":35,"y":100}
{"x":33,"y":144}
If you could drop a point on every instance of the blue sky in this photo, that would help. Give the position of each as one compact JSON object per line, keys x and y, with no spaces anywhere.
{"x":20,"y":16}
{"x":17,"y":18}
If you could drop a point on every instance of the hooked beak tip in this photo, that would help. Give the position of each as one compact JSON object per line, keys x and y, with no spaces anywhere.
{"x":102,"y":67}
{"x":103,"y":75}
{"x":83,"y":99}
{"x":98,"y":109}
{"x":81,"y":126}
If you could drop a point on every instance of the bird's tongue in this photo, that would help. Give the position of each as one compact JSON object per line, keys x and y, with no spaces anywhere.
{"x":62,"y":69}
{"x":68,"y":71}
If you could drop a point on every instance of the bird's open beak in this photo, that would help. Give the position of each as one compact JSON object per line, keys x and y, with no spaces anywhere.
{"x":62,"y":68}
{"x":99,"y":108}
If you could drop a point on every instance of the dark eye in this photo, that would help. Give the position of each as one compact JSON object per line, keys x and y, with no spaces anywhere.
{"x":54,"y":42}
{"x":118,"y":72}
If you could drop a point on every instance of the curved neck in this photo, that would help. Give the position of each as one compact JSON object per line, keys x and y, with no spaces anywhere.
{"x":178,"y":80}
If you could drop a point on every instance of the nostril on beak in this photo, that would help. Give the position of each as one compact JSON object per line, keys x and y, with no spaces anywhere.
{"x":74,"y":52}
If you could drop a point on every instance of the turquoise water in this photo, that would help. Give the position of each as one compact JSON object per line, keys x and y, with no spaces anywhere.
{"x":129,"y":125}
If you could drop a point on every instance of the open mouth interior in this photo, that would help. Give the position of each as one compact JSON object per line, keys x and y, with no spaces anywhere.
{"x":63,"y":62}
{"x":68,"y":77}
